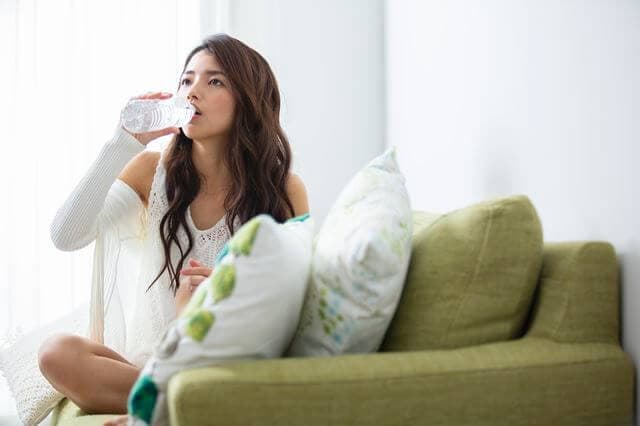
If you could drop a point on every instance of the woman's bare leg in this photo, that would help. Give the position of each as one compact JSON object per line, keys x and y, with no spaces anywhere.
{"x":93,"y":376}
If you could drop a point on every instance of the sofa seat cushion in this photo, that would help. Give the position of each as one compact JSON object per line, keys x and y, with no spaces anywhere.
{"x":67,"y":413}
{"x":471,"y":277}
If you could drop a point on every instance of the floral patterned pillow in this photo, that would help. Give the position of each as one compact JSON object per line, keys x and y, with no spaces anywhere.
{"x":248,"y":308}
{"x":360,"y":261}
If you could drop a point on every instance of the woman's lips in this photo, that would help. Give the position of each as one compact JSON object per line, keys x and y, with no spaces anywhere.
{"x":195,"y":116}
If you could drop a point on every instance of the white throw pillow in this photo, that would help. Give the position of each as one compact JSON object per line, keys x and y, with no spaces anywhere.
{"x":360,"y":260}
{"x":248,"y":308}
{"x":33,"y":394}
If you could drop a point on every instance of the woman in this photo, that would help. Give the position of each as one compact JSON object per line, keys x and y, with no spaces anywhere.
{"x":230,"y":163}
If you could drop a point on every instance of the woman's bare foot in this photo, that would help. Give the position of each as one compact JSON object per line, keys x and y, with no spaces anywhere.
{"x":117,"y":421}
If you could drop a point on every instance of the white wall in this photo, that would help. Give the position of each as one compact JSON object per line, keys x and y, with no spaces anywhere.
{"x":328,"y":59}
{"x":539,"y":97}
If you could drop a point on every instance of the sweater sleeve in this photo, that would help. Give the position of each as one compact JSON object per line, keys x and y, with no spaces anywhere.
{"x":99,"y":197}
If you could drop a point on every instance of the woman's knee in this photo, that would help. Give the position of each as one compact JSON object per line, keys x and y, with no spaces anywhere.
{"x":58,"y":353}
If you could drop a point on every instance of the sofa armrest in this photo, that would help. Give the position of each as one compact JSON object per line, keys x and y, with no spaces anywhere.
{"x":577,"y":298}
{"x":526,"y":381}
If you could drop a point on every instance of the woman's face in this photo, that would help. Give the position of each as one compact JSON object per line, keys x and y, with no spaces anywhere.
{"x":207,"y":87}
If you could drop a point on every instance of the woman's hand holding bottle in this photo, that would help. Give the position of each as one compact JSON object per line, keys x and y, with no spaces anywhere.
{"x":146,"y":137}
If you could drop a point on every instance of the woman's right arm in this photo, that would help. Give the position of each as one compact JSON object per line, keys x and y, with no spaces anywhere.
{"x":76,"y":221}
{"x":99,"y":196}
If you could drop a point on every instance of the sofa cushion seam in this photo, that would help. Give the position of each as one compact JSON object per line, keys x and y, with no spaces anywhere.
{"x":473,"y":279}
{"x":413,"y":376}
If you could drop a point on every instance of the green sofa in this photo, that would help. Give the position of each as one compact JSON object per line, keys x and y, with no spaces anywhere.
{"x":494,"y":327}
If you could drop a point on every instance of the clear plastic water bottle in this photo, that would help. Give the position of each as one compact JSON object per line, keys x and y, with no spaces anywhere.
{"x":147,"y":115}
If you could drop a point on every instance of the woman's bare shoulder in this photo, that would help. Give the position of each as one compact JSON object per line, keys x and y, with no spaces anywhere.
{"x":138,"y":173}
{"x":297,"y":193}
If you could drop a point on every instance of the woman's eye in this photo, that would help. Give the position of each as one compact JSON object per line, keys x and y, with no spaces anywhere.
{"x":214,"y":82}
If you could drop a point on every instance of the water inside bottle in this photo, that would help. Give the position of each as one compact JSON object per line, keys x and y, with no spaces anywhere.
{"x":145,"y":115}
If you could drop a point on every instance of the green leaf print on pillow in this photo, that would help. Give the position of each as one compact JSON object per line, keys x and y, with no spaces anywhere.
{"x":223,"y":282}
{"x":199,"y":324}
{"x":329,"y":316}
{"x":242,"y":242}
{"x":225,"y":250}
{"x":195,"y":302}
{"x":142,"y":399}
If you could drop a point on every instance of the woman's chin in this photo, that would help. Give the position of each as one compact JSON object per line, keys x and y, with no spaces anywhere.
{"x":189,"y":131}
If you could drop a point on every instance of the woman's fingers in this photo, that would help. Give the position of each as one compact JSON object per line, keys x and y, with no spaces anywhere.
{"x":191,"y":277}
{"x":154,"y":95}
{"x":202,"y":270}
{"x":195,"y":280}
{"x":192,"y":280}
{"x":146,"y":137}
{"x":197,"y":268}
{"x":163,"y":132}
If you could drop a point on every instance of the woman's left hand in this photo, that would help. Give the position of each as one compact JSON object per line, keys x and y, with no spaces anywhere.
{"x":190,"y":279}
{"x":197,"y":271}
{"x":117,"y":421}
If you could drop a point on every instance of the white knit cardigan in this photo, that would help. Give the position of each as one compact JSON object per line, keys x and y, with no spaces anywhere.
{"x":105,"y":209}
{"x":127,"y":256}
{"x":108,"y":211}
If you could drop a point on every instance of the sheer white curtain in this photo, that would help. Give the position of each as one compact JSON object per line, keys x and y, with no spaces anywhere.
{"x":67,"y":68}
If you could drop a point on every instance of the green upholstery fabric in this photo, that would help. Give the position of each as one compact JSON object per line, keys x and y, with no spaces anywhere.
{"x":521,"y":382}
{"x":579,"y":293}
{"x":568,"y":369}
{"x":471,"y":278}
{"x":69,"y":414}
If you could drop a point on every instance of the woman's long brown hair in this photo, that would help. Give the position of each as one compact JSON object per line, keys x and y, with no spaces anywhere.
{"x":258,"y":154}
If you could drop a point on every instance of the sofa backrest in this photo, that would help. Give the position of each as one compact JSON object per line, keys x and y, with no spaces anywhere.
{"x":578,"y":295}
{"x":471,"y":278}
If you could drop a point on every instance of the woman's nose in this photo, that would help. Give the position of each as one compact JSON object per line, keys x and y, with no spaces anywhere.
{"x":191,"y":93}
{"x":192,"y":90}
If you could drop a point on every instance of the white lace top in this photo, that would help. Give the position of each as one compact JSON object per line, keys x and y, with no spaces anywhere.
{"x":155,"y":310}
{"x":128,"y":253}
{"x":207,"y":243}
